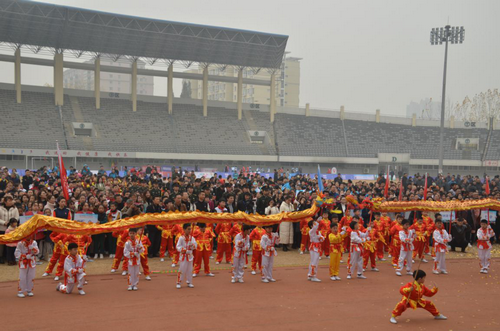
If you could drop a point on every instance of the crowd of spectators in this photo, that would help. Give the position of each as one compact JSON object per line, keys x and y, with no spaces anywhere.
{"x":112,"y":196}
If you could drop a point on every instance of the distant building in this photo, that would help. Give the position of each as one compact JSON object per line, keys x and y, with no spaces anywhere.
{"x":425,"y":109}
{"x":110,"y":81}
{"x":287,"y":85}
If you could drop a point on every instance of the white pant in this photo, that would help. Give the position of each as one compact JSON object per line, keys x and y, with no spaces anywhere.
{"x":313,"y":264}
{"x":238,"y":265}
{"x":484,"y":258}
{"x":405,"y":255}
{"x":133,"y":275}
{"x":356,"y":262}
{"x":185,"y":272}
{"x":26,"y":276}
{"x":69,"y":283}
{"x":440,"y":262}
{"x":267,"y":266}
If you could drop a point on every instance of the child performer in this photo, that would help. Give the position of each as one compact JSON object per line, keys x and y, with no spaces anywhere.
{"x":314,"y":250}
{"x":381,"y":228}
{"x":185,"y":246}
{"x":441,"y":239}
{"x":26,"y":252}
{"x":146,"y":243}
{"x":370,"y":247}
{"x":420,"y":229}
{"x":335,"y":238}
{"x":484,"y":234}
{"x":255,"y":238}
{"x":412,"y":297}
{"x":241,"y":247}
{"x":356,"y":251}
{"x":73,"y":271}
{"x":177,"y":231}
{"x":132,"y":251}
{"x":386,"y":220}
{"x":406,"y":237}
{"x":223,"y":242}
{"x":59,"y":248}
{"x":122,"y":237}
{"x":324,"y":229}
{"x":395,"y":242}
{"x":305,"y":240}
{"x":268,"y":241}
{"x":204,"y":238}
{"x":167,"y":241}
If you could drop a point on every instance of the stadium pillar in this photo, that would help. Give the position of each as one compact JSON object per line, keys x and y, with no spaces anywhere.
{"x":170,"y":88}
{"x":134,"y":86}
{"x":205,"y":91}
{"x":272,"y":97}
{"x":377,"y":116}
{"x":452,"y":122}
{"x":240,"y":93}
{"x":17,"y":74}
{"x":342,"y":113}
{"x":307,"y":109}
{"x":414,"y":120}
{"x":97,"y":83}
{"x":58,"y":79}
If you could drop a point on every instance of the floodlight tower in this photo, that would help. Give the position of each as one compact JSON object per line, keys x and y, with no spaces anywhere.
{"x":439,"y":36}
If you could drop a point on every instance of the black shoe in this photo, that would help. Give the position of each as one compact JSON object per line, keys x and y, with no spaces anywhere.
{"x":285,"y":248}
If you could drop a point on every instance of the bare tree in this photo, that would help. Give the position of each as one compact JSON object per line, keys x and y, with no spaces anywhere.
{"x":481,"y":108}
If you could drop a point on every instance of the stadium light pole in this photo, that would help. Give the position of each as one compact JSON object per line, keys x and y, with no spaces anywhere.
{"x":439,"y":36}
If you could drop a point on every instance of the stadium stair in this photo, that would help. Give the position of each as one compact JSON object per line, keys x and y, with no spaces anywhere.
{"x":77,"y":112}
{"x":487,"y":145}
{"x":253,"y":127}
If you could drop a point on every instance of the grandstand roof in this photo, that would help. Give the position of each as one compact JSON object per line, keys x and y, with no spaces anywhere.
{"x":68,"y":28}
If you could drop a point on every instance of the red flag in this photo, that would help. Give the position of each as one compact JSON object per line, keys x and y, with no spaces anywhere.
{"x":386,"y":190}
{"x":425,"y":187}
{"x":62,"y":171}
{"x":487,"y":189}
{"x":400,"y":189}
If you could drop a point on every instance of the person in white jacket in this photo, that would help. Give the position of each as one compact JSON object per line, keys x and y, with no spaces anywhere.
{"x":73,"y":271}
{"x":484,"y":234}
{"x":241,"y":247}
{"x":132,"y":251}
{"x":406,"y":236}
{"x":441,"y":239}
{"x":7,"y":212}
{"x":26,"y":252}
{"x":314,"y":250}
{"x":356,"y":251}
{"x":286,"y":228}
{"x":267,"y":243}
{"x":185,"y":246}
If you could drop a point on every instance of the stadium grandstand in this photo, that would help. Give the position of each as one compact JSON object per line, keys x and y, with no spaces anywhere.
{"x":93,"y":127}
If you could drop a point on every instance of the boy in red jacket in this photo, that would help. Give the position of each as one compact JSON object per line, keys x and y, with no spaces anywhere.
{"x":413,"y":294}
{"x":203,"y":236}
{"x":255,"y":237}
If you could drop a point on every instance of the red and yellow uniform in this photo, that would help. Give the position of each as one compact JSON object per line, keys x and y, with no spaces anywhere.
{"x":224,"y":241}
{"x":121,"y":239}
{"x":304,"y":230}
{"x":167,"y":240}
{"x":255,"y":237}
{"x":430,"y":230}
{"x":388,"y":223}
{"x":395,"y":243}
{"x":370,"y":248}
{"x":381,"y":228}
{"x":324,"y":229}
{"x":415,"y":301}
{"x":177,"y":232}
{"x":420,"y":239}
{"x":335,"y":240}
{"x":203,"y":250}
{"x":144,"y":255}
{"x":58,"y":240}
{"x":345,"y":224}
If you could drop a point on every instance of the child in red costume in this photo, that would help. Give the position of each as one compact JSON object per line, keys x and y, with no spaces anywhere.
{"x":413,"y":294}
{"x":305,"y":241}
{"x":58,"y":240}
{"x":144,"y":255}
{"x":223,"y":242}
{"x":167,"y":241}
{"x":203,"y":236}
{"x":255,"y":237}
{"x":122,"y":237}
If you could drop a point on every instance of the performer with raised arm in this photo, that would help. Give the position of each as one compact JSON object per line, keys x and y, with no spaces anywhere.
{"x":484,"y":234}
{"x":314,"y":250}
{"x":441,"y":239}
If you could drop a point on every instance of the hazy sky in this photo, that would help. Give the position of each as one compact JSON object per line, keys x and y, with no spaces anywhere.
{"x":363,"y":54}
